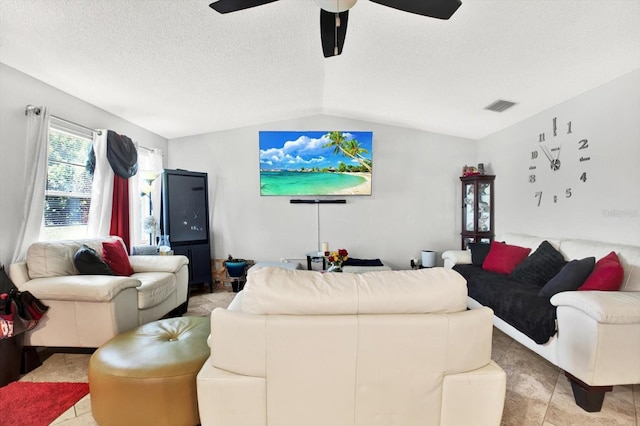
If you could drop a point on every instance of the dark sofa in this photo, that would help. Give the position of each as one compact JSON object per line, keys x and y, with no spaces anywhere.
{"x":513,"y":301}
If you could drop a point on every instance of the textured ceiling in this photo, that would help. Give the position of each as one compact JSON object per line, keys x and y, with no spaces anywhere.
{"x":177,"y":68}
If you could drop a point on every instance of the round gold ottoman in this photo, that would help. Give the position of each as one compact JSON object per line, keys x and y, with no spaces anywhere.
{"x":147,"y":376}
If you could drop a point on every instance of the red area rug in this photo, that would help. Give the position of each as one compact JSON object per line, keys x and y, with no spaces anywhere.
{"x":38,"y":403}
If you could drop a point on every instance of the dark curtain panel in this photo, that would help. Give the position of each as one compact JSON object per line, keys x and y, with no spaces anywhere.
{"x":120,"y":209}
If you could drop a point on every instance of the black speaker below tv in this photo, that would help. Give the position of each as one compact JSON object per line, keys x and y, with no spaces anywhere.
{"x":317,"y":201}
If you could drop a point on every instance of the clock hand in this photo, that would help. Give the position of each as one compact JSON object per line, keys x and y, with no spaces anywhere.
{"x":555,"y":164}
{"x":558,"y":152}
{"x":546,"y":152}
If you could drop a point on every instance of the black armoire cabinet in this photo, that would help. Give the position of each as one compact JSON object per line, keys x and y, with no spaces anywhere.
{"x":185,"y":218}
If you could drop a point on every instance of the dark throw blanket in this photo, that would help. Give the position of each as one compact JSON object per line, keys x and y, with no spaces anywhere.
{"x":514,"y":302}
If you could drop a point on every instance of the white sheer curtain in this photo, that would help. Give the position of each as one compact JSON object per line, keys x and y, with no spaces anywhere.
{"x":149,"y":170}
{"x":35,"y":178}
{"x":99,"y":222}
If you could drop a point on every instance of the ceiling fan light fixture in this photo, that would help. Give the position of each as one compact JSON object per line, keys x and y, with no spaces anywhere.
{"x":334,"y":15}
{"x":336,"y":6}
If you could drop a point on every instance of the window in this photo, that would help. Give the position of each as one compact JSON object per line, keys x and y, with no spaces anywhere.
{"x":68,"y":191}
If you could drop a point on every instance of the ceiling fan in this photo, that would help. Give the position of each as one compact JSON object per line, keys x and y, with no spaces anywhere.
{"x":334,"y":15}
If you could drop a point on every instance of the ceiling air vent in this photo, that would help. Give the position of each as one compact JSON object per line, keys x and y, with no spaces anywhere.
{"x":500,"y":105}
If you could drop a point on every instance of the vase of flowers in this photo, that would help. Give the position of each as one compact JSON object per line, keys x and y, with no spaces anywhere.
{"x":336,"y":259}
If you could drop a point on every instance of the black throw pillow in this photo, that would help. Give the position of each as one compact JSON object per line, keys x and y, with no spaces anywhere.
{"x":362,"y":262}
{"x":570,"y":277}
{"x":542,"y":265}
{"x":89,"y":262}
{"x":478,"y":252}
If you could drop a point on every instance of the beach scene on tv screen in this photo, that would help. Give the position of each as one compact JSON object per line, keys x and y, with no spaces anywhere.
{"x":315,"y":162}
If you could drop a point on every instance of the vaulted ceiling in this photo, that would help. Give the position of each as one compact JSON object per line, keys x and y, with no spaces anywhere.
{"x":177,"y":68}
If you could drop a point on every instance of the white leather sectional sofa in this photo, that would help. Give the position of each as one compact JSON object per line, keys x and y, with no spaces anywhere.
{"x":372,"y":349}
{"x":87,"y":310}
{"x":598,"y":332}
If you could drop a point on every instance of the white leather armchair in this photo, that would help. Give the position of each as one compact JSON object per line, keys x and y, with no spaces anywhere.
{"x":87,"y":310}
{"x":374,"y":349}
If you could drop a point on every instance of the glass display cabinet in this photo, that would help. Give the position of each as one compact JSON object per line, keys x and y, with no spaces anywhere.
{"x":477,"y":209}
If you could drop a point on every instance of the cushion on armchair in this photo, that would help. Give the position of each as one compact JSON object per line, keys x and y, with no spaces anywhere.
{"x":55,"y":258}
{"x":116,"y":257}
{"x":89,"y":262}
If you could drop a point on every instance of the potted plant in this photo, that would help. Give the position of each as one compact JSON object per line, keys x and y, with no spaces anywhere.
{"x":235,"y":269}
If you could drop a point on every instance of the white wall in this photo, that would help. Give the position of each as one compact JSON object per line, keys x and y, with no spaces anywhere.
{"x":18,"y":90}
{"x":415,"y":203}
{"x":607,"y":206}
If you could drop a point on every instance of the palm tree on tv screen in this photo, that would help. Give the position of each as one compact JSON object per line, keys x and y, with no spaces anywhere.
{"x":349,"y":148}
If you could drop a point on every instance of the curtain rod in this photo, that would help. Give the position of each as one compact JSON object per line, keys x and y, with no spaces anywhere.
{"x":36,"y":110}
{"x":144,"y":148}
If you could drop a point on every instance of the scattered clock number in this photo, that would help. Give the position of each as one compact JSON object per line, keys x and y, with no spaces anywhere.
{"x":554,"y":159}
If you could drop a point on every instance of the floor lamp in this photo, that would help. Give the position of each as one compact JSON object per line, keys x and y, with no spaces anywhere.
{"x":149,"y":176}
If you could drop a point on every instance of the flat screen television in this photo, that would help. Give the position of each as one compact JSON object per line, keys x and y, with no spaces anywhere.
{"x":315,"y":163}
{"x":185,"y":207}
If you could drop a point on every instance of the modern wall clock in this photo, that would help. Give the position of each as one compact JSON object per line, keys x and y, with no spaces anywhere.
{"x":558,"y":163}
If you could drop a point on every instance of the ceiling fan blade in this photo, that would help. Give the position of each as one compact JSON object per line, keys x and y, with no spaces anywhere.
{"x":333,"y":35}
{"x":441,"y":9}
{"x":226,"y":6}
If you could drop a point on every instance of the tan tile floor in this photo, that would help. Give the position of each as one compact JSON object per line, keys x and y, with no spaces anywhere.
{"x":538,"y":394}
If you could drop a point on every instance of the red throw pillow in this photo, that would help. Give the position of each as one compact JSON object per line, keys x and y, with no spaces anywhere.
{"x":114,"y":255}
{"x":607,"y":274}
{"x":503,"y":258}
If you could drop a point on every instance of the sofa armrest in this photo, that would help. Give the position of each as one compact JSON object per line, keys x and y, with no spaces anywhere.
{"x":456,"y":257}
{"x":236,"y":303}
{"x":606,"y":307}
{"x":19,"y":273}
{"x":79,"y":288}
{"x":151,"y":263}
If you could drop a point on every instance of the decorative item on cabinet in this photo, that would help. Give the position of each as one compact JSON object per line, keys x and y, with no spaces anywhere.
{"x":469,"y":171}
{"x":477,"y":209}
{"x":185,"y":217}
